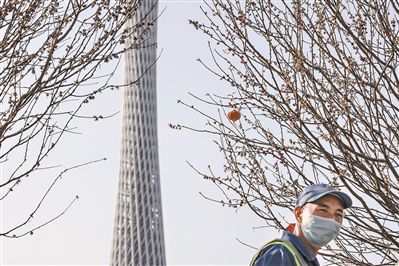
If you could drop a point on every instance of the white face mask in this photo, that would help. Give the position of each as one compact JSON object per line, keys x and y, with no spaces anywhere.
{"x":320,"y":231}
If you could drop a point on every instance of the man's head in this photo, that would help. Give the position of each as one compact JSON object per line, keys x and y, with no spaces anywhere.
{"x":319,"y":214}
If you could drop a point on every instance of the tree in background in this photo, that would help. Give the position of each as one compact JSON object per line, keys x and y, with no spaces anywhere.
{"x":51,"y":53}
{"x":316,"y":84}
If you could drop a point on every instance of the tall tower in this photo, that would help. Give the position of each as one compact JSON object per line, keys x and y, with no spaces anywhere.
{"x":138,"y":230}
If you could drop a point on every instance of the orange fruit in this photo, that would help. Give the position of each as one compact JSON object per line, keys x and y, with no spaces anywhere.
{"x":234,"y":115}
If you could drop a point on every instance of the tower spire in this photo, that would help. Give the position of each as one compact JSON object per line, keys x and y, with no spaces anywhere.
{"x":138,"y":229}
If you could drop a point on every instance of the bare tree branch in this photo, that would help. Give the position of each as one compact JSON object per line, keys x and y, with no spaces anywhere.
{"x":316,"y":85}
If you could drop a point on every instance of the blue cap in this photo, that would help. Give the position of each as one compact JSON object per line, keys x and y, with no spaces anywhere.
{"x":317,"y":191}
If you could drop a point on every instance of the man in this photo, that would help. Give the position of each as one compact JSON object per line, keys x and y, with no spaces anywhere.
{"x":319,"y":213}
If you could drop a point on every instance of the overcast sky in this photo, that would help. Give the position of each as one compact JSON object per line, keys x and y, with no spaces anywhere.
{"x":197,"y":231}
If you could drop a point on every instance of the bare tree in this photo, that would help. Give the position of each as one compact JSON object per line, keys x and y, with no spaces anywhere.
{"x":316,"y":83}
{"x":51,"y":53}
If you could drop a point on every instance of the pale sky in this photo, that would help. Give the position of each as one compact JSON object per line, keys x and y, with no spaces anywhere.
{"x":197,"y":231}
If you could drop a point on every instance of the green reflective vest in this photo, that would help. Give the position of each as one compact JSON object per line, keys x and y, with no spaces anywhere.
{"x":299,"y":261}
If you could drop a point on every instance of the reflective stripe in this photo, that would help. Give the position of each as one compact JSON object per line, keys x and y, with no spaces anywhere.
{"x":287,"y":246}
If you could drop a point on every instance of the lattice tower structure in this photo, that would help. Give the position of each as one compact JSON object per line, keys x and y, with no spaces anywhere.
{"x":138,"y":229}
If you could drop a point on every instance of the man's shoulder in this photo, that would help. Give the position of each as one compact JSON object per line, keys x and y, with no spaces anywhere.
{"x":275,"y":253}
